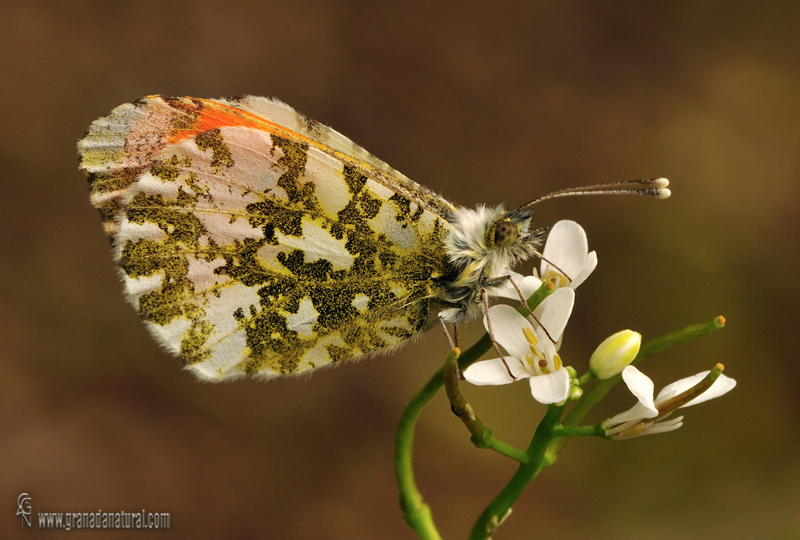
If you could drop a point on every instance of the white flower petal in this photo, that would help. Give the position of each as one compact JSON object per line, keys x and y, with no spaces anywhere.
{"x":529,"y":285}
{"x":635,"y":413}
{"x":642,"y":387}
{"x":554,"y":311}
{"x":550,"y":388}
{"x":507,"y":325}
{"x":591,"y":264}
{"x":494,"y":372}
{"x":507,"y":290}
{"x":566,"y":248}
{"x":721,"y":386}
{"x":673,"y":389}
{"x":657,"y":427}
{"x":663,"y":427}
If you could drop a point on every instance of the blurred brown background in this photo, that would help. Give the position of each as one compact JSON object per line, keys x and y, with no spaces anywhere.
{"x":483,"y":102}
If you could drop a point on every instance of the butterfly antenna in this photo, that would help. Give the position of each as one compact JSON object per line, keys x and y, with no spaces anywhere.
{"x":648,"y":187}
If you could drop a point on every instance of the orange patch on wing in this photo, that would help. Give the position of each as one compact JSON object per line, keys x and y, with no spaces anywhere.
{"x":214,"y":115}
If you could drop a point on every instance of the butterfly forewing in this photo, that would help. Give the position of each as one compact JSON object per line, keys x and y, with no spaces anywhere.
{"x":255,"y":241}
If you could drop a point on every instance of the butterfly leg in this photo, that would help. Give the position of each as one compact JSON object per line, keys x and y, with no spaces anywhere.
{"x":551,"y":263}
{"x":525,"y":304}
{"x":485,"y":301}
{"x":453,"y":343}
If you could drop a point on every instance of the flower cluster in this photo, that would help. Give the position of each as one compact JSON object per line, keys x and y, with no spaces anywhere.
{"x":532,"y":344}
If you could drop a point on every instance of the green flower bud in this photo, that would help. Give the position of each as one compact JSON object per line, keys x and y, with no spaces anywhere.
{"x":615,"y":353}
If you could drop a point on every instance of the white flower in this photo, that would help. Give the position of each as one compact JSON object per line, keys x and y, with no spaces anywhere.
{"x":648,"y":415}
{"x":568,"y":249}
{"x":615,"y":353}
{"x":531,"y":352}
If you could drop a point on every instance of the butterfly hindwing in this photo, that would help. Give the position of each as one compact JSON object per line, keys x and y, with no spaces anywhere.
{"x":255,"y":241}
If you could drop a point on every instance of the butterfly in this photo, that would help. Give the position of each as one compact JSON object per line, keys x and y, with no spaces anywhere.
{"x":253,"y":240}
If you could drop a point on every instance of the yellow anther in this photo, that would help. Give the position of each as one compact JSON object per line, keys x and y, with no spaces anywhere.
{"x":529,"y":335}
{"x":557,"y":361}
{"x":532,"y":340}
{"x":529,"y":359}
{"x":559,"y":279}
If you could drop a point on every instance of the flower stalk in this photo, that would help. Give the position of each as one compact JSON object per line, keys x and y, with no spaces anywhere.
{"x":493,"y":515}
{"x":416,"y":512}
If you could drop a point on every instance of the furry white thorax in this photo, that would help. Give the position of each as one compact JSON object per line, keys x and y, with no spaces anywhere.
{"x":477,"y":263}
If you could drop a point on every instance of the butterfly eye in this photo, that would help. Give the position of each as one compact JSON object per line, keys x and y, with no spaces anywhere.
{"x":505,"y":233}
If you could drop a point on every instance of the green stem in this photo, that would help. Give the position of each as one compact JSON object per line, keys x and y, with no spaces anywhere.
{"x":493,"y":515}
{"x":579,"y":431}
{"x":482,"y":436}
{"x":508,"y":450}
{"x":585,"y":378}
{"x":679,"y":336}
{"x":415,"y":511}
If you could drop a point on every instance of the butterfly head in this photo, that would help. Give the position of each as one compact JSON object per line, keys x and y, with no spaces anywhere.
{"x":482,"y":246}
{"x":492,"y":237}
{"x":511,"y":233}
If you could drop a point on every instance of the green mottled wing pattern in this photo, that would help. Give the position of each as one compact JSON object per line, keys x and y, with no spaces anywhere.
{"x":254,"y":241}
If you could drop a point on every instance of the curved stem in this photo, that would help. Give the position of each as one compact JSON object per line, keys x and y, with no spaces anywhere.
{"x":585,"y":378}
{"x":482,"y":436}
{"x":415,"y":511}
{"x":493,"y":515}
{"x":508,"y":450}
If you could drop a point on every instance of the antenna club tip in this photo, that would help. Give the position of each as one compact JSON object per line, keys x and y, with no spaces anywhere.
{"x":660,"y":182}
{"x":664,"y":193}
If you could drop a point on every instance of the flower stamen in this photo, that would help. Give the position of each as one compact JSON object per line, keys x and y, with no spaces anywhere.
{"x":530,"y":336}
{"x":557,"y":278}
